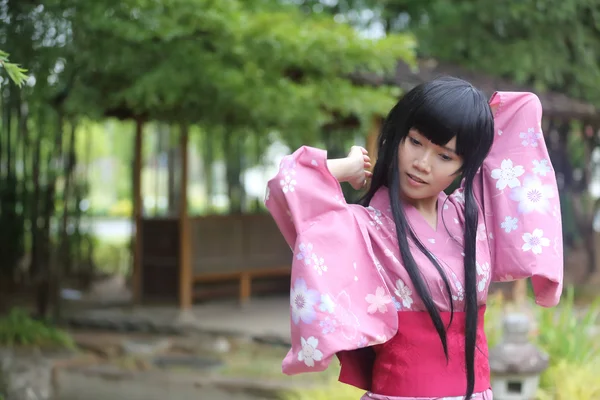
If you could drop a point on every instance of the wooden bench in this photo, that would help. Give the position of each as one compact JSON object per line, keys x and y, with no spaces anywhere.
{"x":245,"y":279}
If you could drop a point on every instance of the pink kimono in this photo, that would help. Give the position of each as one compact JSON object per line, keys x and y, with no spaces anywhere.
{"x":350,"y":294}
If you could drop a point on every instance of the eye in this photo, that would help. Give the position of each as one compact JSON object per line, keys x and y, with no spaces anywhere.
{"x":446,"y":157}
{"x":414,"y":141}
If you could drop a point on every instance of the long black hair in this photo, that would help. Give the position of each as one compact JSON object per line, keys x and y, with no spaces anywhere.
{"x":440,"y":110}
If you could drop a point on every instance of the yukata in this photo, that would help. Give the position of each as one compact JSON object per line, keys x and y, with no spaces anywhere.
{"x":351,"y":296}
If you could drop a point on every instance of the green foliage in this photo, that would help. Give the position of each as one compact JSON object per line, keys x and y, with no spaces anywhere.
{"x":19,"y":329}
{"x":14,"y":71}
{"x":238,"y":64}
{"x":551,"y":44}
{"x":571,"y":381}
{"x":565,"y":332}
{"x":494,"y":314}
{"x":112,"y":257}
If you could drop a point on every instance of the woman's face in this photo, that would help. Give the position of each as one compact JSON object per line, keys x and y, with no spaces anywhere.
{"x":425,"y":168}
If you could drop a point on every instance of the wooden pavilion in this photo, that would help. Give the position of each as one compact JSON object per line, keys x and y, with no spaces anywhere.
{"x":183,"y":258}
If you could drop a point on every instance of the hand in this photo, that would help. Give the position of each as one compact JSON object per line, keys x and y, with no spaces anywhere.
{"x":359,"y":165}
{"x":352,"y":169}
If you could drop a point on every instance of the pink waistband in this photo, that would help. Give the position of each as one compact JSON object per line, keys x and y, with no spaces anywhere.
{"x":412,"y":363}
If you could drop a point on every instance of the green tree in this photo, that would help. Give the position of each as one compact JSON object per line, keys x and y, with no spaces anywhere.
{"x":551,"y":44}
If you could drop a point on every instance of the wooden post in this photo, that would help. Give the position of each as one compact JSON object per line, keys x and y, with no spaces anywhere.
{"x":520,"y":292}
{"x":185,"y":261}
{"x":137,"y":213}
{"x":372,"y":138}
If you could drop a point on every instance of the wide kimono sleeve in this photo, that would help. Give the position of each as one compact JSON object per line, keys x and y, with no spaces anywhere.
{"x":519,"y":196}
{"x":338,"y":299}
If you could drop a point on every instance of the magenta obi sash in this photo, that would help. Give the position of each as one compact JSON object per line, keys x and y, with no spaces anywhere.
{"x":412,"y":363}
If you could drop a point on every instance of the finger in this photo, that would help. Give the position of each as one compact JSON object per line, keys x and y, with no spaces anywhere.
{"x":366,"y":158}
{"x":364,"y":150}
{"x":367,"y":165}
{"x":368,"y":174}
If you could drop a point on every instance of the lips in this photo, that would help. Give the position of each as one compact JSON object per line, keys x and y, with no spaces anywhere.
{"x":416,"y":179}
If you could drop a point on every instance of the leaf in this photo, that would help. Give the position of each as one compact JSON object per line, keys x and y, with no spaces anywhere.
{"x":14,"y":71}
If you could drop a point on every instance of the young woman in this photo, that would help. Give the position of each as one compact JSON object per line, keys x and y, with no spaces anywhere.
{"x":396,"y":287}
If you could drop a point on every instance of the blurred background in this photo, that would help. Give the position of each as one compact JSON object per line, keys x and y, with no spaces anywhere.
{"x":137,"y":259}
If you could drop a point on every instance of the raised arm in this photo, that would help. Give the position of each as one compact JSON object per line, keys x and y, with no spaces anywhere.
{"x":519,"y":196}
{"x":307,"y":187}
{"x":334,"y":280}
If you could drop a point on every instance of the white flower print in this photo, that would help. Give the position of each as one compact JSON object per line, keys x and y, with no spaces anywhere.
{"x":376,"y":217}
{"x":391,"y":255}
{"x":303,"y":301}
{"x":327,"y":304}
{"x":509,"y":224}
{"x":483,"y":270}
{"x":328,"y":325}
{"x":377,"y":264}
{"x":305,"y":253}
{"x":404,"y":294}
{"x":507,"y":175}
{"x":347,"y":321}
{"x":319,"y":264}
{"x":533,"y":195}
{"x":288,"y":165}
{"x":459,"y":196}
{"x":535,"y":241}
{"x":287,"y":183}
{"x":541,"y":167}
{"x":481,"y":233}
{"x":378,"y":301}
{"x":460,"y":291}
{"x":310,"y":353}
{"x":531,"y":137}
{"x":267,"y":194}
{"x":557,"y":245}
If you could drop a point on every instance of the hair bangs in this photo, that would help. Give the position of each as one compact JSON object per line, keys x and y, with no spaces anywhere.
{"x":452,"y":108}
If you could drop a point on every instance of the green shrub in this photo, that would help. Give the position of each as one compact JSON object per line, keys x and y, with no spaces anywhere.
{"x":565,"y":333}
{"x":571,"y":381}
{"x":19,"y":329}
{"x":112,"y":257}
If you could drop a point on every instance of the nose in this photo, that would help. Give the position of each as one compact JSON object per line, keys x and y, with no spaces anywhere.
{"x":422,"y":164}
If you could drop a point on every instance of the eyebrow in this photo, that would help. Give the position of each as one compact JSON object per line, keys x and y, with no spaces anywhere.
{"x":451,"y":150}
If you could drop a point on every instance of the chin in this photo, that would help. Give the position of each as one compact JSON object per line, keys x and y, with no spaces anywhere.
{"x":411,"y":193}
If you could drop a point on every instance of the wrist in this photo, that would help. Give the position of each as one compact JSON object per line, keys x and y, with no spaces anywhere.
{"x":340,"y":168}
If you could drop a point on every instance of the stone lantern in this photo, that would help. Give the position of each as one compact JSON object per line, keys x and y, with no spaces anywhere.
{"x":516,"y":364}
